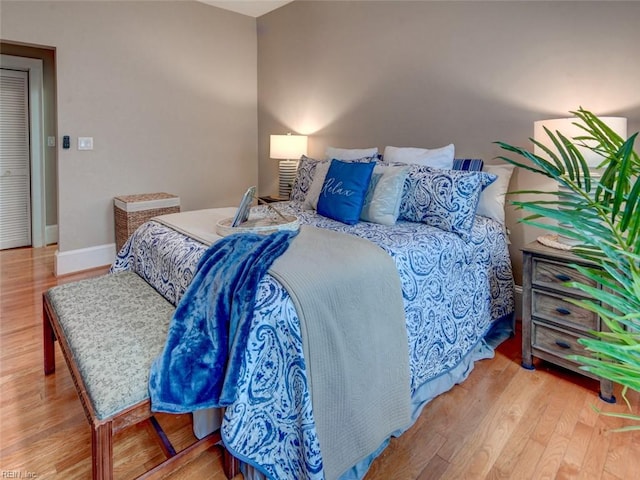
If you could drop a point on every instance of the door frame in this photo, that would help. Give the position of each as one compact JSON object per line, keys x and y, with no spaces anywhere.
{"x":36,"y":140}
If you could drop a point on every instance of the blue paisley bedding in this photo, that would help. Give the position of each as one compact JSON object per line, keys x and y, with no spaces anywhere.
{"x":453,"y":292}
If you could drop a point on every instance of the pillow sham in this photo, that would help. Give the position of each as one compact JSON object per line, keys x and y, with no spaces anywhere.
{"x":492,"y":199}
{"x":350,"y":153}
{"x":382,"y":201}
{"x":437,"y":157}
{"x":468,"y":164}
{"x":343,"y":191}
{"x":446,"y":199}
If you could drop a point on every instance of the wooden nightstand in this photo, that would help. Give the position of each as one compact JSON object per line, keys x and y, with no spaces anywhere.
{"x":270,"y":199}
{"x":551,"y":325}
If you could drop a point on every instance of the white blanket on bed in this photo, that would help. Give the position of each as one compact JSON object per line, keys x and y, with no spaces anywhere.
{"x":348,"y":296}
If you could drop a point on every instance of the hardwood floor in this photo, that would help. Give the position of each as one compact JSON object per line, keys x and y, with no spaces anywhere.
{"x":503,"y":422}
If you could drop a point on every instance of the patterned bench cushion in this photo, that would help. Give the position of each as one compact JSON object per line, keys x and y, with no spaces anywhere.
{"x":115,"y":326}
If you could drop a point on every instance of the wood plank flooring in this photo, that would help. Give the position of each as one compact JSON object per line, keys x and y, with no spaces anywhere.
{"x":503,"y":422}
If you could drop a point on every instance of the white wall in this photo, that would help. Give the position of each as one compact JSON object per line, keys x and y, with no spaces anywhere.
{"x":424,"y":74}
{"x":168,"y":91}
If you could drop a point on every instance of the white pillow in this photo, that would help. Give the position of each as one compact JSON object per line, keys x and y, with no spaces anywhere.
{"x":350,"y":153}
{"x":313,"y":194}
{"x":492,"y":198}
{"x":383,"y":198}
{"x":436,"y":157}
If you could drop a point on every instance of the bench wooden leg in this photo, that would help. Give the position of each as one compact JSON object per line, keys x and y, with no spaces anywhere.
{"x":181,"y":458}
{"x":102,"y":451}
{"x":48,"y":338}
{"x":160,"y":436}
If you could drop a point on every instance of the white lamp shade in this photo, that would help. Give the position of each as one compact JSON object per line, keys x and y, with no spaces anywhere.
{"x":288,"y":146}
{"x":568,"y":129}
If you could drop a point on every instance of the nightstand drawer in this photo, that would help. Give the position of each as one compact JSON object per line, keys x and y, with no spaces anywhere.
{"x":551,"y":326}
{"x":555,"y":309}
{"x":555,"y":341}
{"x":553,"y":275}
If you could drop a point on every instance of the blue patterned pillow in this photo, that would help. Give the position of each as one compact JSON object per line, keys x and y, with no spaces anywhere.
{"x":468,"y":164}
{"x":446,"y":199}
{"x":304,"y":177}
{"x":344,"y":189}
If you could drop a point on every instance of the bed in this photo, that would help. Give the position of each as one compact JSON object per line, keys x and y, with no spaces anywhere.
{"x":457,"y":294}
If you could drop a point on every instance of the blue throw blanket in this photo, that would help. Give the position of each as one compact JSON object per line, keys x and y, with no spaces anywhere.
{"x":201,"y":361}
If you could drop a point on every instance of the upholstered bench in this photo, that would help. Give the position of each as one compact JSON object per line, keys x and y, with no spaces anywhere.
{"x":110,"y":329}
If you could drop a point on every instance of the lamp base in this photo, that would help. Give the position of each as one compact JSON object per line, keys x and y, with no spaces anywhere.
{"x":287,"y":172}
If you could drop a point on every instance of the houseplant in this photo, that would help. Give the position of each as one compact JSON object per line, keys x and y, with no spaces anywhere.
{"x":604,"y":218}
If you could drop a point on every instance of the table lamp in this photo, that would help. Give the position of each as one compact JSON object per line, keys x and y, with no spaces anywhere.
{"x":288,"y":149}
{"x":567,"y":127}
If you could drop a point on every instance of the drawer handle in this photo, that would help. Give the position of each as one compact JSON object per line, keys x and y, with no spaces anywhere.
{"x":562,"y":344}
{"x":563,"y":311}
{"x":563,"y":278}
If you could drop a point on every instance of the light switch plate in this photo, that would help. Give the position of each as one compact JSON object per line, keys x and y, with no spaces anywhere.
{"x":85,"y":143}
{"x":51,"y":141}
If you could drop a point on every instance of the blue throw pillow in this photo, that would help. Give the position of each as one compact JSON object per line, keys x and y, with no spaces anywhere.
{"x":306,"y":172}
{"x":344,"y":189}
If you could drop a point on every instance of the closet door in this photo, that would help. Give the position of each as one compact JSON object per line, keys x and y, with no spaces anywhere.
{"x":15,"y":194}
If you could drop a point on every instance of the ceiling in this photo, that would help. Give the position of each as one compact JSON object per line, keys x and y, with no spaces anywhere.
{"x":252,"y":8}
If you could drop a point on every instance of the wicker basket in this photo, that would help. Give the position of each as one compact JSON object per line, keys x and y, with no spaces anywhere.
{"x":131,"y":211}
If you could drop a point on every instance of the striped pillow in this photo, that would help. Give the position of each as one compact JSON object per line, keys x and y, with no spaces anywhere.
{"x":468,"y":164}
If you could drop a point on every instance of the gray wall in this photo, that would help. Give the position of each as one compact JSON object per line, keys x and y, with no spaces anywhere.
{"x":168,"y":91}
{"x":424,"y":74}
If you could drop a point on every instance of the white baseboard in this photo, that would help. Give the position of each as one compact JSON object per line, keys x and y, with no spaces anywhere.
{"x":518,"y":300}
{"x":84,"y":259}
{"x":50,"y":234}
